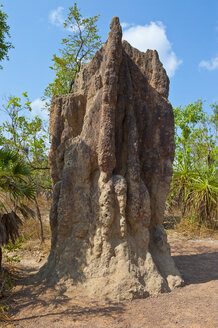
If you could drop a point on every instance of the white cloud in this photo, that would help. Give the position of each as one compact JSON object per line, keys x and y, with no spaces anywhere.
{"x":153,"y":36}
{"x":210,"y":65}
{"x":125,"y":25}
{"x":56,"y":17}
{"x":37,"y":109}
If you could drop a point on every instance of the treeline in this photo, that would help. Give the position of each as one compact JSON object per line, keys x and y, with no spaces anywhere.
{"x":194,"y":188}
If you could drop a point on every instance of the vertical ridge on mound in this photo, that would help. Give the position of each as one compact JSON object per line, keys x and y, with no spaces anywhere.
{"x":111,"y":165}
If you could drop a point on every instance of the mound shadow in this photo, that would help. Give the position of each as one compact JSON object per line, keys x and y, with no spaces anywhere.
{"x":34,"y":294}
{"x":198,"y":268}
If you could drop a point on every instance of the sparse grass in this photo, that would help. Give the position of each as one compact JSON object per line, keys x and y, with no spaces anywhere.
{"x":29,"y":241}
{"x":191,"y":228}
{"x":6,"y":287}
{"x":30,"y":228}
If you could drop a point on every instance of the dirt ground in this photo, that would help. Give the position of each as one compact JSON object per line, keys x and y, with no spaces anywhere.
{"x":193,"y":306}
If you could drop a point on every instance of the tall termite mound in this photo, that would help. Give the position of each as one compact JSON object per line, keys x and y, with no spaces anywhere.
{"x":111,"y":165}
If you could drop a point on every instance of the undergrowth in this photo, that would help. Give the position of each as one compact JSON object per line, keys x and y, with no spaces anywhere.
{"x":189,"y":227}
{"x":6,"y":287}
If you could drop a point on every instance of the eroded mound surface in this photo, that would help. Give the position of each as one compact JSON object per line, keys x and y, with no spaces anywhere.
{"x":111,"y":165}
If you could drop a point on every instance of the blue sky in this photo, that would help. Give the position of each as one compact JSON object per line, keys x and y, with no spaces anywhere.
{"x":185,"y":33}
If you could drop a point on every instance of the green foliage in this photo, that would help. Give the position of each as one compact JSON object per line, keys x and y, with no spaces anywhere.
{"x":194,"y":187}
{"x":5,"y":46}
{"x":13,"y":170}
{"x":14,"y":189}
{"x":203,"y":194}
{"x":29,"y":137}
{"x":78,"y":47}
{"x":12,"y":258}
{"x":3,"y":310}
{"x":14,"y":174}
{"x":10,"y":247}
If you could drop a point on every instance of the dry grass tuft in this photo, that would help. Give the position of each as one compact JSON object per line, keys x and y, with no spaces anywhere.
{"x":191,"y":229}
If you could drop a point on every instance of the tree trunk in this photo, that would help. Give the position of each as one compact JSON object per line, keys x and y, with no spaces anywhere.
{"x":38,"y":214}
{"x":0,"y":258}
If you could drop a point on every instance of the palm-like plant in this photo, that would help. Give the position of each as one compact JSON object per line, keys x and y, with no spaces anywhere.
{"x":203,"y":196}
{"x":14,"y":189}
{"x":194,"y":188}
{"x":195,"y":191}
{"x":181,"y":182}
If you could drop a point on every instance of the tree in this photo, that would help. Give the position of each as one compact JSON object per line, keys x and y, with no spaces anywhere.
{"x":194,"y":187}
{"x":14,"y":188}
{"x":5,"y":46}
{"x":78,"y":47}
{"x":27,"y":136}
{"x":30,"y":139}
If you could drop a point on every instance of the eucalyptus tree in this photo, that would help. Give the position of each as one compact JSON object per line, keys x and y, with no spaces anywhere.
{"x":78,"y":47}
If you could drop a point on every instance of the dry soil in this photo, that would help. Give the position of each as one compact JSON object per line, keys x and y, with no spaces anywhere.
{"x":193,"y":306}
